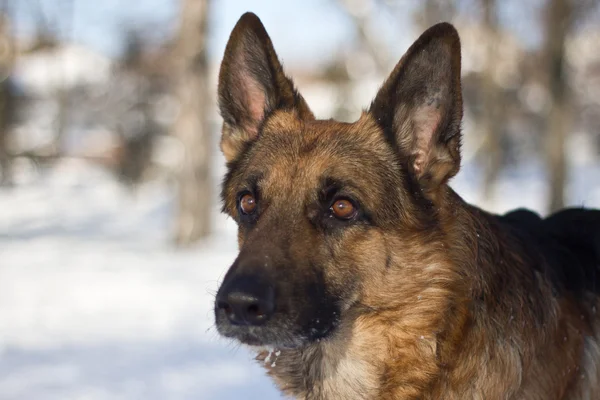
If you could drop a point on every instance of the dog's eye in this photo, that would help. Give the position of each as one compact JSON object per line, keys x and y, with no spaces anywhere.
{"x":247,"y":204}
{"x":343,"y":209}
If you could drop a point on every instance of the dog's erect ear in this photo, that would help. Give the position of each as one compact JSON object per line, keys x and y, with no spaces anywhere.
{"x":420,"y":106}
{"x":252,"y":84}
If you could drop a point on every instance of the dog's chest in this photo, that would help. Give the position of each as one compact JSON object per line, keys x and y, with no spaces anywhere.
{"x":349,"y":379}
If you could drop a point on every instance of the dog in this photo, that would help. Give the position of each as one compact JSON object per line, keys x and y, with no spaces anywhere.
{"x":362,"y":275}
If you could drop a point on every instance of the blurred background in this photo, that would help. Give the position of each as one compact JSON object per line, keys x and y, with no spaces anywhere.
{"x":111,"y":240}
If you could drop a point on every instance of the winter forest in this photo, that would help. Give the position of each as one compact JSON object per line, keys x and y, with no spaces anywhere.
{"x":112,"y":243}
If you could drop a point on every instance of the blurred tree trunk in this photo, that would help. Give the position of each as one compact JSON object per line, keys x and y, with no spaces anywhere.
{"x":7,"y":100}
{"x":368,"y":36}
{"x":369,"y":41}
{"x":60,"y":123}
{"x":5,"y":164}
{"x":336,"y":74}
{"x":558,"y":21}
{"x":191,"y":126}
{"x":6,"y":107}
{"x":67,"y":10}
{"x":491,"y":120}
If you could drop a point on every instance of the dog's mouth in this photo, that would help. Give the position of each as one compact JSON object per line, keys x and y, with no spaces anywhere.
{"x":279,"y":332}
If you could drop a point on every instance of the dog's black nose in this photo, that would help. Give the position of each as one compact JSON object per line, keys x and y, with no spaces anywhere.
{"x":247,"y":300}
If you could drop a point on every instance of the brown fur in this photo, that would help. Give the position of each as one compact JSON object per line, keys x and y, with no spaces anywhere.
{"x":437,"y":299}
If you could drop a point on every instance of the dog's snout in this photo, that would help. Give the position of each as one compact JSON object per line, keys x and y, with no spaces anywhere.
{"x":247,"y":300}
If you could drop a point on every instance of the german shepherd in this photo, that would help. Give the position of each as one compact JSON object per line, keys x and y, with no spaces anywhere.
{"x":363,"y":275}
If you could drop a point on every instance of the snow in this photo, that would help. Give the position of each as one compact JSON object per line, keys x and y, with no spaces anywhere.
{"x":95,"y":303}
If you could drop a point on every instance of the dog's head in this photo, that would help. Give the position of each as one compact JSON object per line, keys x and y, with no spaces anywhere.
{"x":328,"y":210}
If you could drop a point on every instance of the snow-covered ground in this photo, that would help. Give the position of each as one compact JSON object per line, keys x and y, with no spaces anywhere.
{"x":95,"y":303}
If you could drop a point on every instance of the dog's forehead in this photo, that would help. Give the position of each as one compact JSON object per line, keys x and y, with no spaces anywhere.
{"x":294,"y":155}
